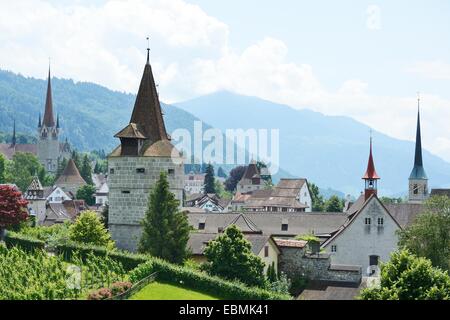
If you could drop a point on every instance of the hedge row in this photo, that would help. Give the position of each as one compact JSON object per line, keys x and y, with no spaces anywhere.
{"x":25,"y":242}
{"x":197,"y":280}
{"x":129,"y":260}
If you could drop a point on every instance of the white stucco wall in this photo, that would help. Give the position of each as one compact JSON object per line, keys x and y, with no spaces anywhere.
{"x":355,"y":244}
{"x":272,"y":257}
{"x":305,"y":197}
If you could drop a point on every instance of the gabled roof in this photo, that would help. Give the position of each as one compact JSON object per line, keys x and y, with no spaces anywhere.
{"x":9,"y":150}
{"x":70,"y":175}
{"x":440,"y":192}
{"x":35,"y":185}
{"x":244,"y":224}
{"x":355,"y":214}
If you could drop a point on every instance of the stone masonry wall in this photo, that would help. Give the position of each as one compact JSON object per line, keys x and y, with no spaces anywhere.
{"x":129,"y":192}
{"x":295,"y":261}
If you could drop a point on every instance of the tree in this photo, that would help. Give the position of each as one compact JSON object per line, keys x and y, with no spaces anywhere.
{"x":272,"y":273}
{"x":105,"y":215}
{"x":221,"y":173}
{"x":89,"y":229}
{"x":86,"y":193}
{"x":333,"y":204}
{"x":22,"y":169}
{"x":62,"y":164}
{"x":86,"y":170}
{"x":267,"y":178}
{"x":408,"y":277}
{"x":2,"y":168}
{"x":165,"y":229}
{"x":388,"y":200}
{"x":234,"y":177}
{"x":429,"y":235}
{"x":13,"y":208}
{"x":230,"y":256}
{"x":220,"y":191}
{"x":318,"y":204}
{"x":76,"y":159}
{"x":210,"y":186}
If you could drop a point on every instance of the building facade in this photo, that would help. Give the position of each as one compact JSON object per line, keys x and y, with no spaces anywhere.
{"x":135,"y":165}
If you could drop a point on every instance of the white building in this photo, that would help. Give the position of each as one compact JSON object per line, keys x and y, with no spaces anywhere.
{"x":194,"y":183}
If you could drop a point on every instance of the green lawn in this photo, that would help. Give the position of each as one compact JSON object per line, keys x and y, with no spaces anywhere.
{"x":163,"y":291}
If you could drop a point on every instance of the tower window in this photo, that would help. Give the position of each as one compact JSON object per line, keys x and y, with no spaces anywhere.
{"x":415,"y":189}
{"x":284,"y":227}
{"x":380,"y":221}
{"x":367,"y":221}
{"x":171,"y":171}
{"x":140,"y":170}
{"x":126,"y":191}
{"x":111,"y":171}
{"x":334,"y":248}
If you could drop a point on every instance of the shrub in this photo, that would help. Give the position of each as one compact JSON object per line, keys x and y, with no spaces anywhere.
{"x":89,"y":229}
{"x":128,"y":260}
{"x":100,"y":294}
{"x":120,"y":287}
{"x":200,"y":281}
{"x":25,"y":242}
{"x":298,"y":284}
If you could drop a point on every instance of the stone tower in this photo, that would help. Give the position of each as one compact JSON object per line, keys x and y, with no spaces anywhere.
{"x":48,"y":148}
{"x":36,"y":200}
{"x":370,"y":177}
{"x":134,"y":166}
{"x":418,"y":180}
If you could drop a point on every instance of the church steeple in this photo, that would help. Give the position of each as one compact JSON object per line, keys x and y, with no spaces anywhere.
{"x":418,"y":180}
{"x":418,"y":172}
{"x":49,"y":120}
{"x":370,"y":176}
{"x":13,"y":140}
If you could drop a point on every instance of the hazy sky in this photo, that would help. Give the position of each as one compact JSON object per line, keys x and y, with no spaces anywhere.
{"x":364,"y":59}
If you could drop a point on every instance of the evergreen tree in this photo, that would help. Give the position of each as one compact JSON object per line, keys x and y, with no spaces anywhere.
{"x":86,"y":193}
{"x":221,"y":173}
{"x":334,"y":204}
{"x":210,"y":186}
{"x":62,"y":164}
{"x":86,"y":170}
{"x":230,"y":256}
{"x":76,"y":158}
{"x":165,"y":229}
{"x":272,"y":273}
{"x":318,"y":204}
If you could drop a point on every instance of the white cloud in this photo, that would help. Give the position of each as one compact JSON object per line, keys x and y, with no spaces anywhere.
{"x":191,"y":56}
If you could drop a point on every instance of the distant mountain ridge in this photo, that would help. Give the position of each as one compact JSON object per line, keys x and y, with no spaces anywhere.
{"x":329,"y":150}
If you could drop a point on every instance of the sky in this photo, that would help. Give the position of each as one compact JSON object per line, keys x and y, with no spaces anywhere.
{"x":363,"y":59}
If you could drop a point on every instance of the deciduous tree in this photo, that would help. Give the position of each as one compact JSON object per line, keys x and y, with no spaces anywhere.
{"x":89,"y":229}
{"x":13,"y":208}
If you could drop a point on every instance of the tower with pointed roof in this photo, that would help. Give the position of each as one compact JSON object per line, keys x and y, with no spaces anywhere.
{"x":70,"y":180}
{"x":418,"y":180}
{"x":370,"y":177}
{"x":48,"y":146}
{"x":135,"y":165}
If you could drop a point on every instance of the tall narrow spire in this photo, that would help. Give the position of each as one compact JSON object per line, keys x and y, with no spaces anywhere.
{"x":49,"y":120}
{"x":147,"y":113}
{"x":371,"y":172}
{"x":13,"y":140}
{"x":371,"y":176}
{"x":418,"y":172}
{"x":148,"y":51}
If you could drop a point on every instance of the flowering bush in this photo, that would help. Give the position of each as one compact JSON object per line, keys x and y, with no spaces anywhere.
{"x":120,"y":287}
{"x":100,"y":294}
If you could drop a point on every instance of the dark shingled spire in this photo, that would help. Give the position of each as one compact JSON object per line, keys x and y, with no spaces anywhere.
{"x":147,"y":109}
{"x":418,"y":172}
{"x":49,"y":120}
{"x":70,"y":174}
{"x":13,"y":141}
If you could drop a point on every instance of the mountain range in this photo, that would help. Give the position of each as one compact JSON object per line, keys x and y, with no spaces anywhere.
{"x":331,"y":151}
